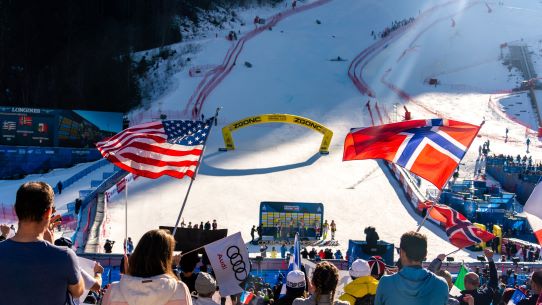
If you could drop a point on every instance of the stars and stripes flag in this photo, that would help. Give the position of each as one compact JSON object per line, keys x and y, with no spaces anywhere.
{"x":169,"y":147}
{"x":431,"y":149}
{"x":9,"y":125}
{"x":461,"y":232}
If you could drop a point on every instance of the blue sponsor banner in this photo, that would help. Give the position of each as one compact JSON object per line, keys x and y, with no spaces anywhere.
{"x":20,"y":161}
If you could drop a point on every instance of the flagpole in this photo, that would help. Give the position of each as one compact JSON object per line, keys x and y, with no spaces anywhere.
{"x":125,"y":215}
{"x":194,"y":176}
{"x":425,"y":218}
{"x":453,"y":252}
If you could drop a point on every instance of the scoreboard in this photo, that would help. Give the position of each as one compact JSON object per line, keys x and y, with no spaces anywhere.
{"x":26,"y":126}
{"x":290,"y":215}
{"x":20,"y":126}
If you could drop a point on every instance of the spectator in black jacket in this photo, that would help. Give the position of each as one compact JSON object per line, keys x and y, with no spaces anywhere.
{"x":295,"y":287}
{"x":536,"y":287}
{"x":482,"y":296}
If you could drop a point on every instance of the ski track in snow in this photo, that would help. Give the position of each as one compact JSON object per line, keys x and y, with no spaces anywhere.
{"x":292,"y":73}
{"x":272,"y":161}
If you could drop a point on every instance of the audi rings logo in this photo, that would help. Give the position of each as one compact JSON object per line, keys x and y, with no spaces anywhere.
{"x":238,"y":263}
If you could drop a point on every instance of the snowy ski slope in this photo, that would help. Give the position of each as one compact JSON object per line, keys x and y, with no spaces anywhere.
{"x":454,"y":41}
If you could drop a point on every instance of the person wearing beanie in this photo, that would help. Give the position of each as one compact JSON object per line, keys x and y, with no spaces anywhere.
{"x":295,"y":287}
{"x":205,"y":288}
{"x":363,"y":287}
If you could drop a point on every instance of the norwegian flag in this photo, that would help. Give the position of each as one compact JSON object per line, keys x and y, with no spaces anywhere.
{"x":431,"y":149}
{"x":25,"y":120}
{"x":461,"y":232}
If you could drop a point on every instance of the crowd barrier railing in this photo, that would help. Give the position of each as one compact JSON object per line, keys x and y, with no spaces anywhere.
{"x":88,"y":210}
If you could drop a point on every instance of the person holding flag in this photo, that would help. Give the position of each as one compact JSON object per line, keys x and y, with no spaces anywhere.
{"x":482,"y":296}
{"x":536,"y":288}
{"x":295,"y":287}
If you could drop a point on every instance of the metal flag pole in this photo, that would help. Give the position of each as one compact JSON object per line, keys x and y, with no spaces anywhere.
{"x":125,"y":215}
{"x":194,"y":177}
{"x":428,"y":212}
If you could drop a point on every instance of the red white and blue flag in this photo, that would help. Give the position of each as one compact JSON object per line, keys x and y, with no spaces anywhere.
{"x":431,"y":149}
{"x":461,"y":232}
{"x":159,"y":148}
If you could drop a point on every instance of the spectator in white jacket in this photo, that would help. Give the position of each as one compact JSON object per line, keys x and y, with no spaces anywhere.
{"x":150,"y":279}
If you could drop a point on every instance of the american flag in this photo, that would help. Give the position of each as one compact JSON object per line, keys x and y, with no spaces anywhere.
{"x":9,"y":125}
{"x":151,"y":150}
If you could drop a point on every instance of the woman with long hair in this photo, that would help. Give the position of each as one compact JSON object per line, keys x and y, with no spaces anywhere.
{"x":324,"y":282}
{"x":149,"y":279}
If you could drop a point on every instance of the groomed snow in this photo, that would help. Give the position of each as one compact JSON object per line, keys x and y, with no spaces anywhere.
{"x":292,"y":73}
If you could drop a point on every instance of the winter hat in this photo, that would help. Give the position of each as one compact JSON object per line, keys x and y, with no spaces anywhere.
{"x":360,"y":268}
{"x":205,"y":283}
{"x":377,"y":265}
{"x":295,"y":279}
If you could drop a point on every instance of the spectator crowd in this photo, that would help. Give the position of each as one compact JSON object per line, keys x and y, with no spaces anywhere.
{"x":36,"y":270}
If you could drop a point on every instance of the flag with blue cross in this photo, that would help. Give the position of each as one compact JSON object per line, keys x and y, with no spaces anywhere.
{"x":431,"y":149}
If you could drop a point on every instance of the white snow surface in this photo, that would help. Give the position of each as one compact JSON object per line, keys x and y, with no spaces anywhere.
{"x":291,"y":73}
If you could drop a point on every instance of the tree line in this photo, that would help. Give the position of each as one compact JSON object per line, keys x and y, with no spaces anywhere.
{"x":76,"y":54}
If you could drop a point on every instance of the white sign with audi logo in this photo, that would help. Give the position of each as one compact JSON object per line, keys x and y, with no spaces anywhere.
{"x":230,"y":262}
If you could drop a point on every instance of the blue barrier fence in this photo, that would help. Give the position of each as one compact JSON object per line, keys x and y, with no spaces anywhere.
{"x":66,"y":183}
{"x":87,"y":213}
{"x":512,"y":182}
{"x":18,"y":161}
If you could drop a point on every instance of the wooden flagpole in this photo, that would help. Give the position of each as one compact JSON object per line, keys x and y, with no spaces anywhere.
{"x":194,"y":177}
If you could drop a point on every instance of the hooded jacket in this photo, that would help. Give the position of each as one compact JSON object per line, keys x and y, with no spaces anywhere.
{"x":157,"y":290}
{"x":359,"y":288}
{"x":412,"y":286}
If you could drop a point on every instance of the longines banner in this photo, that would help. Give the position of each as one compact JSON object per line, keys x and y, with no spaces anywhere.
{"x":231,"y":265}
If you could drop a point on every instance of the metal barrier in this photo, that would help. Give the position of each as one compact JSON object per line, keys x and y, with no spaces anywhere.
{"x":88,"y":210}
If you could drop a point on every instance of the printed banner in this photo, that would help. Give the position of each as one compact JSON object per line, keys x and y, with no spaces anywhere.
{"x":230,"y":262}
{"x":119,"y":187}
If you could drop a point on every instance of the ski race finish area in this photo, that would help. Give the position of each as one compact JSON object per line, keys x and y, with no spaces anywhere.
{"x":278,"y":118}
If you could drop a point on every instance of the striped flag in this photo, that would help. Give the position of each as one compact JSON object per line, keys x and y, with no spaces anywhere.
{"x":533,"y":210}
{"x":151,"y":150}
{"x":246,"y":297}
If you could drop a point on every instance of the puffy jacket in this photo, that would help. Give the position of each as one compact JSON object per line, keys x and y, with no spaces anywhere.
{"x":412,"y":286}
{"x":358,"y":288}
{"x":156,"y":290}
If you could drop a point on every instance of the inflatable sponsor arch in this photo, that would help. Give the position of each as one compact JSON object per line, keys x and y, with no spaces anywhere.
{"x":277,"y":118}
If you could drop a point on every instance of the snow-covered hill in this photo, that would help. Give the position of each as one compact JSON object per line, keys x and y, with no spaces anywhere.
{"x":455,"y":41}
